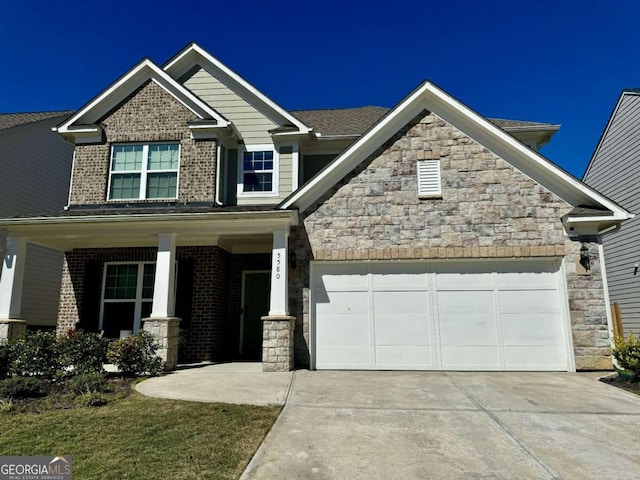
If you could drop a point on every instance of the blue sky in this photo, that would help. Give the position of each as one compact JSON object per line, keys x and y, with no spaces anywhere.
{"x":550,"y":61}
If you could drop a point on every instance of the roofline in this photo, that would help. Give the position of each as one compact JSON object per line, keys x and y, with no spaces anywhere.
{"x":194,"y":47}
{"x":129,"y":76}
{"x":429,"y":96}
{"x":605,"y":131}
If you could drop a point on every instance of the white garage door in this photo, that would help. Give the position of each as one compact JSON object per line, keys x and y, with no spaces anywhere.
{"x":493,"y":315}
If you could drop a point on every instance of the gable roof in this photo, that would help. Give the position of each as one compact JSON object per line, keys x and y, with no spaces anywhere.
{"x":428,"y":96}
{"x":356,"y":121}
{"x":8,"y":120}
{"x":627,"y":92}
{"x":82,"y":122}
{"x":193,"y":55}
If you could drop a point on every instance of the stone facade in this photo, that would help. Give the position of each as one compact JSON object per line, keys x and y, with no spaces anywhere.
{"x":166,"y":333}
{"x":488,"y":209}
{"x":277,"y":344}
{"x":149,"y":114}
{"x":12,"y":329}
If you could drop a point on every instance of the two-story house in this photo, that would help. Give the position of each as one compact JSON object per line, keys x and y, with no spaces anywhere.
{"x":424,"y":236}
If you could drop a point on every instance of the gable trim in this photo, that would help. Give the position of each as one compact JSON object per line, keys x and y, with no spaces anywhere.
{"x":82,"y":122}
{"x":428,"y":96}
{"x":187,"y":59}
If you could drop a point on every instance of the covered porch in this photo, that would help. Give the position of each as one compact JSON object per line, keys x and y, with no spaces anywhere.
{"x":209,"y":286}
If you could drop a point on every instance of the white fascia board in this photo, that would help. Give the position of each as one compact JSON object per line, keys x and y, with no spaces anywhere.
{"x":430,"y":97}
{"x":189,"y":57}
{"x":125,"y":85}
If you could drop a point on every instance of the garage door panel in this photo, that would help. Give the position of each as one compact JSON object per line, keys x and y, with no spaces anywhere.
{"x":466,"y":303}
{"x":399,"y":276}
{"x":533,"y":301}
{"x":406,"y":357}
{"x":535,"y":358}
{"x":400,"y":303}
{"x":401,"y":330}
{"x":531,"y":329}
{"x":468,"y":330}
{"x":470,"y":358}
{"x":344,"y":356}
{"x":463,"y":276}
{"x":343,"y":277}
{"x":344,"y":330}
{"x":344,"y":303}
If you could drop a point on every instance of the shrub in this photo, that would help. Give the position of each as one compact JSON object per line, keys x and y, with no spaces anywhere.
{"x":84,"y":351}
{"x":88,"y":382}
{"x":627,"y":353}
{"x":135,"y":355}
{"x":36,"y":354}
{"x":22,"y":387}
{"x":6,"y":359}
{"x":92,"y":399}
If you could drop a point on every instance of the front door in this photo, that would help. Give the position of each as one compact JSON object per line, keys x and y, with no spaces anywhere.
{"x":255,"y":298}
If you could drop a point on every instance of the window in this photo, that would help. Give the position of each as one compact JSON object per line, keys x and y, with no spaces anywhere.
{"x":127,"y":296}
{"x":144,"y":171}
{"x":429,"y":181}
{"x":258,"y":175}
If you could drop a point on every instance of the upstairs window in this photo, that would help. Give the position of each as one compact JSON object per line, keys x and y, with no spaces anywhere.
{"x":429,"y":181}
{"x":144,"y":171}
{"x":257,"y":171}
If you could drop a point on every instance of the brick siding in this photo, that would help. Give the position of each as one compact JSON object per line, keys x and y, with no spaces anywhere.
{"x":150,"y":114}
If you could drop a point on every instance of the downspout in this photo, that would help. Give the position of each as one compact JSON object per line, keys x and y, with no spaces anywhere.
{"x":218,"y":151}
{"x":605,"y":287}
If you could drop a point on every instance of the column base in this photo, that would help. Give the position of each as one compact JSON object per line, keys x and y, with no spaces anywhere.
{"x":277,"y":343}
{"x":12,"y":328}
{"x":166,"y":332}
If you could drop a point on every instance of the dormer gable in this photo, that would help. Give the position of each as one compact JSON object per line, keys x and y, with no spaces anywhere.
{"x":258,"y":118}
{"x":84,"y":127}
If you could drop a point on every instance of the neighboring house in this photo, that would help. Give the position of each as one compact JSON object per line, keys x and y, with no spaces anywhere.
{"x":614,"y":170}
{"x":35,"y":165}
{"x":420,"y":237}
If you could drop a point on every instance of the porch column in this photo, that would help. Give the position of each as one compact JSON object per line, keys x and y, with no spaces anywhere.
{"x":11,"y":324}
{"x":162,"y":323}
{"x":278,"y":326}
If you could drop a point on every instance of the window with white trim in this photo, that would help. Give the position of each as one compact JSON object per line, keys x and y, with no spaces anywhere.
{"x":258,"y":171}
{"x":144,"y":171}
{"x":127,"y":296}
{"x":429,"y":180}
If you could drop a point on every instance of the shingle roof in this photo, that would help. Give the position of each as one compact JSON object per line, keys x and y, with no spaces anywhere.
{"x":8,"y":120}
{"x":355,"y":121}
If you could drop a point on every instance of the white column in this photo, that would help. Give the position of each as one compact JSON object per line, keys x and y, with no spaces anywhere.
{"x":279,"y":304}
{"x":12,"y":277}
{"x":164,"y":284}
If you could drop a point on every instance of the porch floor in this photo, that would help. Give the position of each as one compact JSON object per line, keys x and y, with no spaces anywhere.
{"x":235,"y":382}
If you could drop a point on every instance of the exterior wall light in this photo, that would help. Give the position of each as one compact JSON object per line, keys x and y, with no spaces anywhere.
{"x":585,"y":261}
{"x":293,"y":260}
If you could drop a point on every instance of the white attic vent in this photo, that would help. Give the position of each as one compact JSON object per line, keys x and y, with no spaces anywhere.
{"x":429,"y":178}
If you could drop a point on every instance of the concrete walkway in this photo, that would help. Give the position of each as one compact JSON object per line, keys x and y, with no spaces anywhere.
{"x":223,"y":382}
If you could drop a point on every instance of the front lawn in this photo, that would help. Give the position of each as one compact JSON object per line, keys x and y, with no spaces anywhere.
{"x":137,"y":437}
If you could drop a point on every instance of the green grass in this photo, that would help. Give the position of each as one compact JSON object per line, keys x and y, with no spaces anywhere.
{"x":139,"y":437}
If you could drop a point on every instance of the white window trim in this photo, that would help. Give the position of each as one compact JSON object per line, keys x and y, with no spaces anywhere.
{"x":137,"y":312}
{"x":144,"y":171}
{"x":275,"y":183}
{"x":435,"y":191}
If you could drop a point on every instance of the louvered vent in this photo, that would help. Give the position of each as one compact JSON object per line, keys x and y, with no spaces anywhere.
{"x":429,"y":178}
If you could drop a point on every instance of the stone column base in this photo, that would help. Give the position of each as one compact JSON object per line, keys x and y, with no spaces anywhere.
{"x":277,"y":343}
{"x":166,"y":333}
{"x":12,"y":328}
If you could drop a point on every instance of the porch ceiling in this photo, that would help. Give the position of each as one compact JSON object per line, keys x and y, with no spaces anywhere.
{"x":244,"y":231}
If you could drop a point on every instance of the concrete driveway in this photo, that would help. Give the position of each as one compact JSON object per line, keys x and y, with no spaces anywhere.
{"x":403,"y":425}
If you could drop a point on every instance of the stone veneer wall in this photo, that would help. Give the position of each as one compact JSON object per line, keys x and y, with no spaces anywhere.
{"x":488,"y":209}
{"x":149,"y":114}
{"x":209,"y":300}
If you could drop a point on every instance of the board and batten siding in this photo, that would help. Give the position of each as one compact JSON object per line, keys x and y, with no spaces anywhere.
{"x":26,"y":149}
{"x":614,"y":171}
{"x":252,"y":124}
